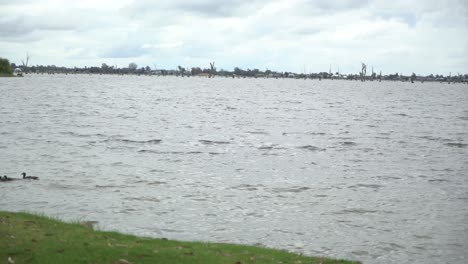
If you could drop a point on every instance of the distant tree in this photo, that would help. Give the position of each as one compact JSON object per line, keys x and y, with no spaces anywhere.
{"x":5,"y":67}
{"x":25,"y":63}
{"x":196,"y":70}
{"x":413,"y":77}
{"x":147,"y":68}
{"x":363,"y":71}
{"x":238,"y":71}
{"x":132,"y":66}
{"x":105,"y":68}
{"x":212,"y":69}
{"x":92,"y":69}
{"x":181,"y":70}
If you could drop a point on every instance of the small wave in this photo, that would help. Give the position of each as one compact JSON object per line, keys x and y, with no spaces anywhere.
{"x":126,"y":116}
{"x":320,"y":195}
{"x":157,"y":183}
{"x":160,"y":152}
{"x":74,"y":134}
{"x":311,"y":148}
{"x":160,"y":171}
{"x":213,"y":142}
{"x":355,"y":211}
{"x":169,"y":152}
{"x":257,"y":132}
{"x":391,"y":247}
{"x":131,"y":141}
{"x":151,"y":141}
{"x":294,"y":189}
{"x":431,"y":138}
{"x":360,"y":253}
{"x":389,"y":177}
{"x":316,"y":133}
{"x":348,"y":143}
{"x":457,"y":145}
{"x":128,"y":211}
{"x":291,"y":101}
{"x":363,"y":185}
{"x":438,"y":180}
{"x":305,"y":133}
{"x":267,"y":147}
{"x":247,"y":187}
{"x":292,"y":133}
{"x":63,"y":186}
{"x":139,"y":181}
{"x":111,"y":186}
{"x":367,"y":149}
{"x":422,"y":236}
{"x":143,"y":198}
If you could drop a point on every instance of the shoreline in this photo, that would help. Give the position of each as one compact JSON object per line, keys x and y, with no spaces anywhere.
{"x":404,"y":79}
{"x":4,"y":75}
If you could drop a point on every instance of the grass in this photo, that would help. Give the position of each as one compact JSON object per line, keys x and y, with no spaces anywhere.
{"x":27,"y":238}
{"x":6,"y":75}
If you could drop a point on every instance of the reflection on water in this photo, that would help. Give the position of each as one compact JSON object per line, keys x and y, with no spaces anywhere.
{"x":368,"y":171}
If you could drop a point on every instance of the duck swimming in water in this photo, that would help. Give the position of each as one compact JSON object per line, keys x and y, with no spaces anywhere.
{"x":5,"y":178}
{"x":29,"y":177}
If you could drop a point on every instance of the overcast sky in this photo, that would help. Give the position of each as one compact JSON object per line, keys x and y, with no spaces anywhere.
{"x":422,"y":36}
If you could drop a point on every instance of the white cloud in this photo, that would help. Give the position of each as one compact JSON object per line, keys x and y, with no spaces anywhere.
{"x":394,"y":36}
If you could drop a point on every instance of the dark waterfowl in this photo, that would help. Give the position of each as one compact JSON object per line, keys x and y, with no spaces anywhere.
{"x":29,"y":177}
{"x":5,"y":178}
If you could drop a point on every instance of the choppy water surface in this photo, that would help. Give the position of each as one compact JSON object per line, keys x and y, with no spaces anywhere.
{"x":376,"y":172}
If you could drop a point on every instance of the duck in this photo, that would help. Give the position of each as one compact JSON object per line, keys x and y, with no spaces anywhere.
{"x":29,"y":177}
{"x":5,"y":178}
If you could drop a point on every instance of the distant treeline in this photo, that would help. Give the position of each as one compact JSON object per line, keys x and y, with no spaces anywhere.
{"x":236,"y":73}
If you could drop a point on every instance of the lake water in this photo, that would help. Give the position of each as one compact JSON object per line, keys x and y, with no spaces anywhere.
{"x":376,"y":172}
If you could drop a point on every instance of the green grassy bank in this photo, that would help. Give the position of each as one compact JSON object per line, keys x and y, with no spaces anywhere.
{"x":6,"y":75}
{"x":27,"y":238}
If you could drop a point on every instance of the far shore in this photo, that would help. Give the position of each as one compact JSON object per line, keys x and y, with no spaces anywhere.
{"x":418,"y":79}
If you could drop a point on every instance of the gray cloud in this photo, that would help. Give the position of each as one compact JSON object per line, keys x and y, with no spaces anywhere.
{"x":124,"y":51}
{"x":279,"y":34}
{"x":337,"y":5}
{"x":18,"y":27}
{"x":208,"y":8}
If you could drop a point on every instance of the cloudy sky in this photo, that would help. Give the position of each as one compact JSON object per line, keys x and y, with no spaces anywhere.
{"x":422,"y":36}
